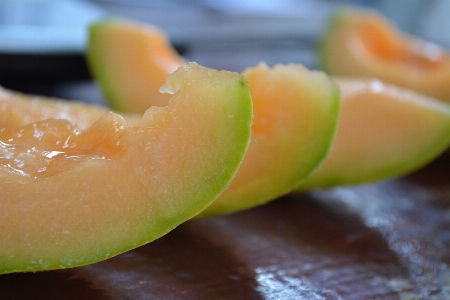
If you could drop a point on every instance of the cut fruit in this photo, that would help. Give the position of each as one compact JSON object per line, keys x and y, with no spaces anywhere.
{"x":123,"y":76}
{"x":384,"y":132}
{"x":295,"y":117}
{"x":17,"y":109}
{"x":71,"y":197}
{"x":362,"y":43}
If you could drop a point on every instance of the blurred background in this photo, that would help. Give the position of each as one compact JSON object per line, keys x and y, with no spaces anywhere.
{"x":44,"y":40}
{"x":387,"y":239}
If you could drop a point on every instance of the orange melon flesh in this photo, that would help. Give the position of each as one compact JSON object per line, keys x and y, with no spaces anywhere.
{"x":384,"y":131}
{"x":18,"y":109}
{"x":362,"y":43}
{"x":114,"y":40}
{"x":72,"y":197}
{"x":295,"y":118}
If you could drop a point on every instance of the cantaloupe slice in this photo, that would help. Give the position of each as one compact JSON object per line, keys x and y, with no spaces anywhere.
{"x":362,"y":43}
{"x":385,"y":131}
{"x":295,"y":114}
{"x":71,"y":197}
{"x":119,"y":51}
{"x":295,"y":118}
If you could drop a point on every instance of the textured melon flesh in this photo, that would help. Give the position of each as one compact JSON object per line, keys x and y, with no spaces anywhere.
{"x":384,"y":131}
{"x":18,"y":110}
{"x":295,"y":116}
{"x":71,"y":197}
{"x":364,"y":44}
{"x":141,"y":74}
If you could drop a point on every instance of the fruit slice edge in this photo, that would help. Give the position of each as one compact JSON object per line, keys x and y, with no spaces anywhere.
{"x":111,"y":41}
{"x":296,"y":113}
{"x":385,"y":131}
{"x":169,"y":168}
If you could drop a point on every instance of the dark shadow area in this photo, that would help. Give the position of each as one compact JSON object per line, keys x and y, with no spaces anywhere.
{"x":329,"y":246}
{"x":303,"y":221}
{"x":51,"y":285}
{"x":434,"y":180}
{"x":19,"y":70}
{"x":436,"y":174}
{"x":42,"y":67}
{"x":180,"y":265}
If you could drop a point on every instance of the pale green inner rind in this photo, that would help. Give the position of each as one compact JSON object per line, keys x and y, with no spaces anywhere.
{"x":98,"y":67}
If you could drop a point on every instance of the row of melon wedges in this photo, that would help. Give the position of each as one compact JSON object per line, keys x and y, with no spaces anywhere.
{"x":81,"y":184}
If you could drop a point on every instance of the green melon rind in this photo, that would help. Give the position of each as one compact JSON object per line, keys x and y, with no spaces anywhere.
{"x":198,"y":195}
{"x":98,"y":67}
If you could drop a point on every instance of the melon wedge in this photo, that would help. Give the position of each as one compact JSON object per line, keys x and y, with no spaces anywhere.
{"x":119,"y":51}
{"x":295,"y":114}
{"x":72,"y":197}
{"x":295,"y":119}
{"x":362,"y":43}
{"x":384,"y":132}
